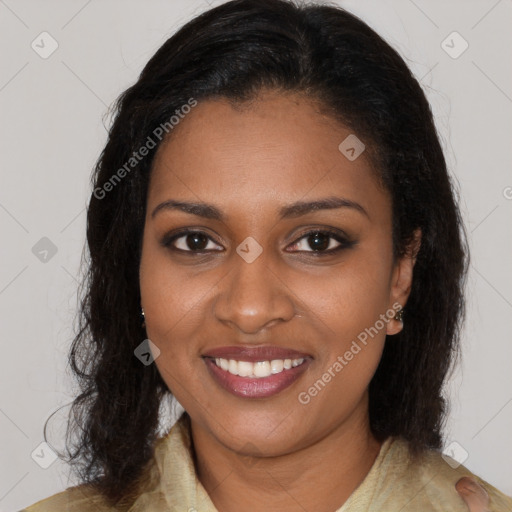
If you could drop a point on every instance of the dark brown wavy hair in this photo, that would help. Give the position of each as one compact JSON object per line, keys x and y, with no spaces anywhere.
{"x":233,"y":51}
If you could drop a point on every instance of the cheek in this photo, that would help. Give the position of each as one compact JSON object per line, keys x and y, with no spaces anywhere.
{"x":346,"y":307}
{"x":174,"y":304}
{"x":350,"y":340}
{"x":171,"y":308}
{"x":348,"y":298}
{"x":164,"y":291}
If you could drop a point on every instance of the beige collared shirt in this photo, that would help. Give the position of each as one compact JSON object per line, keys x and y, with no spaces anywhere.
{"x":393,"y":484}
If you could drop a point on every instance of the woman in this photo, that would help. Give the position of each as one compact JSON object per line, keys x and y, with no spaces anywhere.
{"x":274,"y":240}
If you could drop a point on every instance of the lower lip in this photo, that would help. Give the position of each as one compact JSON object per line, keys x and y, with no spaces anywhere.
{"x":260,"y":387}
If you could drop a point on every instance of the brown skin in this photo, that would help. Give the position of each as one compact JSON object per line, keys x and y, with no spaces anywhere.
{"x":272,"y":454}
{"x":473,"y":494}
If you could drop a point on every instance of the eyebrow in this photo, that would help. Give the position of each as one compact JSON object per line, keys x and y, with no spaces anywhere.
{"x":209,"y":211}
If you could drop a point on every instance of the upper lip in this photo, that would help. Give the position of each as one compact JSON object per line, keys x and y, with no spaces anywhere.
{"x":253,"y":354}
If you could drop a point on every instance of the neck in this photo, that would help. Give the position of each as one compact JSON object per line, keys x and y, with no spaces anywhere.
{"x":320,"y":476}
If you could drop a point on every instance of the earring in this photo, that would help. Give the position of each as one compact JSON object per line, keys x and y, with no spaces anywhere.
{"x":400,"y":315}
{"x":143,"y":317}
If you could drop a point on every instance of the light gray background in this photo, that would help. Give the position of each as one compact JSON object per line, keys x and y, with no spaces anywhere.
{"x":52,"y":133}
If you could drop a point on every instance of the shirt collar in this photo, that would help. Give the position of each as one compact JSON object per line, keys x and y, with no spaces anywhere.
{"x":181,"y":490}
{"x":179,"y":483}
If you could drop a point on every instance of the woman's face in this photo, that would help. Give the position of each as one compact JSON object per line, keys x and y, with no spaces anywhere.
{"x":250,"y":276}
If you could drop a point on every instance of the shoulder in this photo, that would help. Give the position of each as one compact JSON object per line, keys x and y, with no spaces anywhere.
{"x":84,"y":498}
{"x":429,"y":482}
{"x":75,"y":499}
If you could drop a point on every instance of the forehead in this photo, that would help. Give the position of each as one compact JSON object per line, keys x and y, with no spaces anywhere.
{"x":275,"y":149}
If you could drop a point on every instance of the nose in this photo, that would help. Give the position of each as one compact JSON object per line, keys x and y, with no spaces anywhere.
{"x":253,"y":297}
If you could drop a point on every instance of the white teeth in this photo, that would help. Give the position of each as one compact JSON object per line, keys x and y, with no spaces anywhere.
{"x":232,"y":367}
{"x":261,"y":369}
{"x":245,"y":368}
{"x":258,"y":369}
{"x":276,"y":366}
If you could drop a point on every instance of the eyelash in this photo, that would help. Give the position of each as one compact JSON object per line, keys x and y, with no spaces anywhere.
{"x":344,"y":242}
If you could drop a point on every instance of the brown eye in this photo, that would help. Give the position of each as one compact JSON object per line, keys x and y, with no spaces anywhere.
{"x":322,"y":241}
{"x":189,"y":241}
{"x":319,"y":241}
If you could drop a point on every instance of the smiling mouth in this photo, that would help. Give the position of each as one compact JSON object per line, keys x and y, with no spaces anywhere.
{"x":257,"y":369}
{"x":258,"y":379}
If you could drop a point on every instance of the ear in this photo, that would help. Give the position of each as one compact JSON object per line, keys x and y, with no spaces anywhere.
{"x":401,"y":281}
